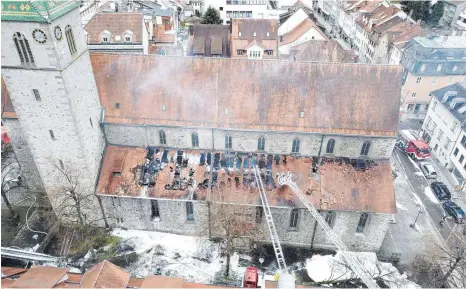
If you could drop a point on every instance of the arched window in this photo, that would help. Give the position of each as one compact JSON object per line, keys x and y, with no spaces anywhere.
{"x":362,"y":223}
{"x":330,"y":146}
{"x":261,"y":143}
{"x":295,"y":147}
{"x":70,"y":39}
{"x":162,"y":138}
{"x":195,"y":140}
{"x":330,"y":218}
{"x":23,"y":49}
{"x":228,"y":141}
{"x":365,"y":148}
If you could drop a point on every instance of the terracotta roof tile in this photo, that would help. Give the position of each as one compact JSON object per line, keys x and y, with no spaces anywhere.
{"x":259,"y":95}
{"x":299,"y":30}
{"x":105,"y":275}
{"x":10,"y":271}
{"x":116,"y":24}
{"x":162,"y":282}
{"x":7,"y":283}
{"x":248,"y":27}
{"x":322,"y":51}
{"x":40,"y":277}
{"x":8,"y":111}
{"x":135,"y":282}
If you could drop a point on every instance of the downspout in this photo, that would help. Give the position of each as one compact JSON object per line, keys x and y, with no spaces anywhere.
{"x":321,"y":144}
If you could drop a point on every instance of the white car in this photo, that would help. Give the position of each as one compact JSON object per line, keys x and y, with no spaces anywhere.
{"x":428,"y":171}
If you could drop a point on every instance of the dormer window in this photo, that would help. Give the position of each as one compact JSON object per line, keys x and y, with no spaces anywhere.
{"x":268,"y":34}
{"x":239,"y":34}
{"x":254,"y":34}
{"x":105,"y":36}
{"x":128,"y":36}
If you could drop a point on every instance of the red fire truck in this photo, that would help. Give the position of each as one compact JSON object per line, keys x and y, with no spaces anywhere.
{"x":417,"y":149}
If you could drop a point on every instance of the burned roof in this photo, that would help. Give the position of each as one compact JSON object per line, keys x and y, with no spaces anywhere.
{"x":330,"y":184}
{"x":258,"y":95}
{"x":116,"y":24}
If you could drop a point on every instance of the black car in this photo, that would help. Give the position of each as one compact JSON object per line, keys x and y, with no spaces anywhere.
{"x":440,"y":191}
{"x":455,"y":211}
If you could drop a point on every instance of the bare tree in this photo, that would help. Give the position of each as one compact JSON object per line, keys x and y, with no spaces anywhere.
{"x":235,"y":226}
{"x":74,"y":201}
{"x":11,"y":178}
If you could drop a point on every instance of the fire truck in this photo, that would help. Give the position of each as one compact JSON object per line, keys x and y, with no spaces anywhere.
{"x":417,"y":149}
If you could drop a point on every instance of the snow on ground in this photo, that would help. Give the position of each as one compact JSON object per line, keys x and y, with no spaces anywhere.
{"x":428,"y":192}
{"x":400,"y":206}
{"x":193,"y":258}
{"x":419,"y":174}
{"x":328,"y":267}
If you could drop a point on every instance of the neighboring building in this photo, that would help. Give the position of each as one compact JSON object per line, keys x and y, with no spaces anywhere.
{"x":249,"y":9}
{"x":164,"y":27}
{"x":48,"y":73}
{"x":430,"y":64}
{"x":454,"y":14}
{"x":443,"y":123}
{"x":254,"y":39}
{"x":172,"y":126}
{"x":89,"y":8}
{"x":299,"y":11}
{"x":193,"y":8}
{"x":212,"y":40}
{"x":306,"y":31}
{"x":398,"y":41}
{"x":120,"y":32}
{"x":321,"y":51}
{"x":457,"y":159}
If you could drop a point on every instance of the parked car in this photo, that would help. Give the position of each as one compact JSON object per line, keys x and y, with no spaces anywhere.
{"x":428,"y":171}
{"x":454,"y":211}
{"x":440,"y":191}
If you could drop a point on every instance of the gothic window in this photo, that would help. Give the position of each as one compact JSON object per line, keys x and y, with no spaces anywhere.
{"x":70,"y":39}
{"x":330,"y":146}
{"x":362,"y":223}
{"x":23,"y":49}
{"x":330,"y":218}
{"x":162,"y":138}
{"x":261,"y":143}
{"x":195,"y":140}
{"x":228,"y":144}
{"x":365,"y":148}
{"x":189,"y":211}
{"x":295,"y":146}
{"x":294,"y":218}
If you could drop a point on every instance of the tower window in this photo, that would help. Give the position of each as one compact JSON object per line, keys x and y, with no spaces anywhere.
{"x":228,"y":144}
{"x":52,"y":135}
{"x":70,"y":39}
{"x":261,"y":144}
{"x":36,"y":94}
{"x":117,"y":105}
{"x":259,"y":214}
{"x":362,"y":223}
{"x":295,"y":146}
{"x":330,"y":146}
{"x":330,"y":218}
{"x":23,"y":49}
{"x":195,"y":140}
{"x":162,"y":138}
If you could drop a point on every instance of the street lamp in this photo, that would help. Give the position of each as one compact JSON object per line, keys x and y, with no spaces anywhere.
{"x":412,"y":225}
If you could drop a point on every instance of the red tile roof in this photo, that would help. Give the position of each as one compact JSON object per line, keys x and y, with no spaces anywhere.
{"x":105,"y":275}
{"x":40,"y":277}
{"x":299,"y":30}
{"x":162,"y":282}
{"x":116,"y":24}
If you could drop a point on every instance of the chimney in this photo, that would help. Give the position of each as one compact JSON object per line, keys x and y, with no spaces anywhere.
{"x":449,"y":94}
{"x":456,"y":101}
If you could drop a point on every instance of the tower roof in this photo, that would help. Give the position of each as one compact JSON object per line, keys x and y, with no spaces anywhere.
{"x":36,"y":11}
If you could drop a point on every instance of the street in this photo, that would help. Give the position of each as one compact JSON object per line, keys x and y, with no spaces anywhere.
{"x":433,"y":207}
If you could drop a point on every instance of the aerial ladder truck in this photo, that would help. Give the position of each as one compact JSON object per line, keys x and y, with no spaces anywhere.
{"x":285,"y":179}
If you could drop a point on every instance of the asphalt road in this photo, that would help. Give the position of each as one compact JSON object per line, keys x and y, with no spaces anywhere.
{"x":419,"y":183}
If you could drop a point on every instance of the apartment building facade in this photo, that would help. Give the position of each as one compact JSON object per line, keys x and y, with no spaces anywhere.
{"x":444,"y":121}
{"x":454,"y":14}
{"x":242,"y":9}
{"x":254,"y":38}
{"x":430,"y":64}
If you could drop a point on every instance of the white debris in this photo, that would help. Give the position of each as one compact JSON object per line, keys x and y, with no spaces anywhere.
{"x":400,"y":206}
{"x":430,"y":195}
{"x":324,"y":268}
{"x":35,"y":236}
{"x":419,"y":174}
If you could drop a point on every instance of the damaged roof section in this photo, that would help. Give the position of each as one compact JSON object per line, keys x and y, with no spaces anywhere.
{"x":333,"y":184}
{"x":272,"y":96}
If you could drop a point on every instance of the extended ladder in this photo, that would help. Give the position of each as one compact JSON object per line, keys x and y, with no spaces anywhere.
{"x":268,"y":216}
{"x":356,"y":266}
